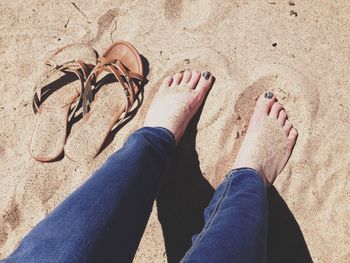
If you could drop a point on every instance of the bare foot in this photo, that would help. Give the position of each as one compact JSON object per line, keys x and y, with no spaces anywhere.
{"x":177,"y":101}
{"x":269,"y":140}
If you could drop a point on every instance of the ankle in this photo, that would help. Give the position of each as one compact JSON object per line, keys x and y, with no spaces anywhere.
{"x":257,"y":169}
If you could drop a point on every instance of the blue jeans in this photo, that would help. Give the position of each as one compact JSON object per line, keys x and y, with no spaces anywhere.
{"x":104,"y":219}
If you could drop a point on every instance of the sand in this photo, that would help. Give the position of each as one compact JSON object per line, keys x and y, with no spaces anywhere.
{"x":300,"y":50}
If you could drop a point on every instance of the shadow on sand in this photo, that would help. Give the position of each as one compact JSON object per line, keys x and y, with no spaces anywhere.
{"x":183,"y":197}
{"x":186,"y":193}
{"x":285,"y":242}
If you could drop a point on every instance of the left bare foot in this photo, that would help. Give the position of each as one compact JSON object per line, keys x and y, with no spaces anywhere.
{"x":269,"y":141}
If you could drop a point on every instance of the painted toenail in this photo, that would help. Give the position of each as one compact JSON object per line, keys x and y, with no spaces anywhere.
{"x":206,"y":75}
{"x":268,"y":95}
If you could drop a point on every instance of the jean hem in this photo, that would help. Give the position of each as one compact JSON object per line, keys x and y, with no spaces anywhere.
{"x":245,"y":169}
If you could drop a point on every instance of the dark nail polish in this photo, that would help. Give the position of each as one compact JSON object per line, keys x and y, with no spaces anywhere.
{"x":268,"y":95}
{"x":206,"y":75}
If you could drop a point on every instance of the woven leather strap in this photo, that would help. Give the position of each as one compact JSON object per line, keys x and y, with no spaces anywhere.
{"x":125,"y":77}
{"x":79,"y":68}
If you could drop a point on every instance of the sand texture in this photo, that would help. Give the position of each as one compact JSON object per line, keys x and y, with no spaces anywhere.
{"x":300,"y":50}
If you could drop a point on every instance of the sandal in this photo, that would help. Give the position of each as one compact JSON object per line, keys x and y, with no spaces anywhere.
{"x":57,"y":95}
{"x":112,"y":106}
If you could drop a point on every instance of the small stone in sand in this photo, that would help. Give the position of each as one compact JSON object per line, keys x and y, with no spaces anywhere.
{"x":293,"y":13}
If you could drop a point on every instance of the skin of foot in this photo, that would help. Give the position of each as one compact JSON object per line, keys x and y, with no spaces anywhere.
{"x":178,"y":99}
{"x":269,"y":140}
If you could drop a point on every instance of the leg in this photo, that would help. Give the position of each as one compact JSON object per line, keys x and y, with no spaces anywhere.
{"x":236,"y":219}
{"x":104,"y":219}
{"x":235,"y":222}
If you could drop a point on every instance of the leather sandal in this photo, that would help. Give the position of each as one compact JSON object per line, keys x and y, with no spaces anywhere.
{"x":57,"y":96}
{"x":116,"y":80}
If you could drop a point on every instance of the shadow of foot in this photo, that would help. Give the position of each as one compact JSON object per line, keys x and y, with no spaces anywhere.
{"x":183,"y":198}
{"x":286,"y":242}
{"x":186,"y":193}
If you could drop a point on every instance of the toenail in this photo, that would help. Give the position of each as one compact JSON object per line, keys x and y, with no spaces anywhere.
{"x":268,"y":95}
{"x":206,"y":75}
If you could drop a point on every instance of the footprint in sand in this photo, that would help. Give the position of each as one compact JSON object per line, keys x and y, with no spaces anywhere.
{"x":42,"y":191}
{"x":12,"y":216}
{"x":201,"y":59}
{"x":186,"y":10}
{"x":104,"y":31}
{"x":104,"y":23}
{"x":218,"y":107}
{"x":10,"y":220}
{"x":292,"y":89}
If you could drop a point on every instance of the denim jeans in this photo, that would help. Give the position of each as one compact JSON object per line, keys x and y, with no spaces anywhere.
{"x":104,"y":219}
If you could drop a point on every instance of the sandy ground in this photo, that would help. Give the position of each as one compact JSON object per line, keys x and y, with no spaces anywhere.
{"x":298,"y":49}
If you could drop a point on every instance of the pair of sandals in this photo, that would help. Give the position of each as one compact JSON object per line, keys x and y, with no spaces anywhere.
{"x":67,"y":90}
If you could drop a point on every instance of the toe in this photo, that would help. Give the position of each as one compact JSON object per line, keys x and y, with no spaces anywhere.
{"x":287,"y":127}
{"x":265,"y":102}
{"x":177,"y":79}
{"x":292,"y":137}
{"x":194,"y":79}
{"x":275,"y":110}
{"x":204,"y":83}
{"x":186,"y":77}
{"x":167,"y":81}
{"x":282,"y":116}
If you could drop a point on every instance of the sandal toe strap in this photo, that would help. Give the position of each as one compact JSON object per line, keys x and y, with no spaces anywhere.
{"x":43,"y":89}
{"x":125,"y":77}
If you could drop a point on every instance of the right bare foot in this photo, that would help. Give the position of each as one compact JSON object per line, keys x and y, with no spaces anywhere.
{"x":177,"y":101}
{"x":269,"y":141}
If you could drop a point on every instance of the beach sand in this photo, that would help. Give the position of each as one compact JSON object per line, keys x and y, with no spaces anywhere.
{"x":298,"y":49}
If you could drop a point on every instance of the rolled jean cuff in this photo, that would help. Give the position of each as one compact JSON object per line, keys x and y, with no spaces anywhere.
{"x":168,"y":132}
{"x":162,"y":132}
{"x":247,"y":171}
{"x":156,"y":138}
